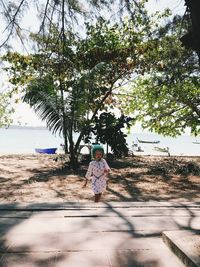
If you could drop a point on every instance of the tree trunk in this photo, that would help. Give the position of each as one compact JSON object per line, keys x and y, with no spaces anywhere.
{"x":106,"y":150}
{"x":192,"y":38}
{"x":73,"y":157}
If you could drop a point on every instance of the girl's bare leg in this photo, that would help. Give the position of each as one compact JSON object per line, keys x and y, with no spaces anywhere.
{"x":97,"y":197}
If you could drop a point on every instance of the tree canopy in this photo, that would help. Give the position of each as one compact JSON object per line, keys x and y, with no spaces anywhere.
{"x":67,"y":81}
{"x":73,"y":75}
{"x":166,"y":99}
{"x":65,"y":14}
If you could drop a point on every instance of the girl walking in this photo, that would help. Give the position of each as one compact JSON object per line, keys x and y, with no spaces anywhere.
{"x":97,"y":172}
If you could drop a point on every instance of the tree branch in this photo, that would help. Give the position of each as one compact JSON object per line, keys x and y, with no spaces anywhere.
{"x":44,"y":17}
{"x":12,"y":23}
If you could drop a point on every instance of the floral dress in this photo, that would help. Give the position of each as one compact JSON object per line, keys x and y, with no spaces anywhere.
{"x":96,"y":173}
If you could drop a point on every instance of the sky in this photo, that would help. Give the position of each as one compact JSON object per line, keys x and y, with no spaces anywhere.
{"x":25,"y":116}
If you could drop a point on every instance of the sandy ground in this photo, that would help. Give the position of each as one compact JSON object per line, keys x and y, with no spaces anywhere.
{"x":39,"y":178}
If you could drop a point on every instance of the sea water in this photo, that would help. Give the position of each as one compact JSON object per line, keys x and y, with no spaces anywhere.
{"x":180,"y":146}
{"x":25,"y":140}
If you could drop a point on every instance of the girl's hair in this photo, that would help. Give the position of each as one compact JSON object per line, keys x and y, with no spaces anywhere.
{"x":95,"y":148}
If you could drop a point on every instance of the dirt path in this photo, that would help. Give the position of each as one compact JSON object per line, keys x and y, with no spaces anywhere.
{"x":38,"y":178}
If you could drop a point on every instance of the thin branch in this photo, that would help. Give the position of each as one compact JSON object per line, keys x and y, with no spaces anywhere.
{"x":44,"y":17}
{"x":181,"y":26}
{"x":51,"y":23}
{"x":12,"y":20}
{"x":13,"y":25}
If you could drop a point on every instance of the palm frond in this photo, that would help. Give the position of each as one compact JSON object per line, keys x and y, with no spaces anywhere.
{"x":42,"y":97}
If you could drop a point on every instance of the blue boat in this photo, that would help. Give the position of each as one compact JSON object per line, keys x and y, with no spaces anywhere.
{"x":46,"y":150}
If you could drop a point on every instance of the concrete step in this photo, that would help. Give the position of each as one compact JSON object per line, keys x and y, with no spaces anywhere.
{"x":31,"y":206}
{"x":185,"y":244}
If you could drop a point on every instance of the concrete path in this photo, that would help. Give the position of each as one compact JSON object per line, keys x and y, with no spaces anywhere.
{"x":87,"y":234}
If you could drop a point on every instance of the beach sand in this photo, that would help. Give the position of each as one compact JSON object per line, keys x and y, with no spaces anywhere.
{"x":39,"y":178}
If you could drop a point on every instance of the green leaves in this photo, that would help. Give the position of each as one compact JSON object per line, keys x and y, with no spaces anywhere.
{"x":165,"y":99}
{"x":5,"y":110}
{"x":108,"y":130}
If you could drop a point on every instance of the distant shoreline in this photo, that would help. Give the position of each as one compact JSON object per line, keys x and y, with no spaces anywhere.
{"x":18,"y":127}
{"x":24,"y":139}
